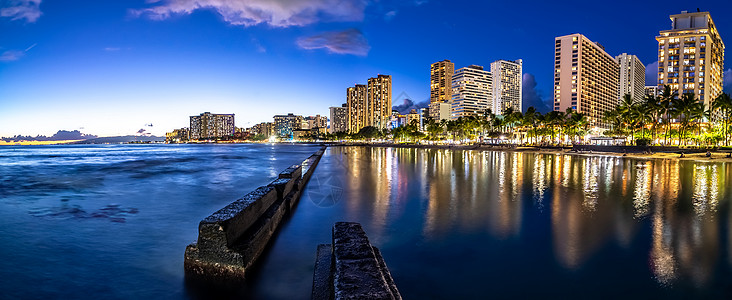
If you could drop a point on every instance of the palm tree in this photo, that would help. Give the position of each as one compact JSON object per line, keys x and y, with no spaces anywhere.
{"x":530,"y":119}
{"x":687,"y":108}
{"x":667,"y":108}
{"x":723,"y":102}
{"x":654,"y":109}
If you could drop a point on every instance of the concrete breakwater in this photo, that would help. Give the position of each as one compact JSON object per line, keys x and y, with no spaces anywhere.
{"x":231,"y":239}
{"x":351,"y":268}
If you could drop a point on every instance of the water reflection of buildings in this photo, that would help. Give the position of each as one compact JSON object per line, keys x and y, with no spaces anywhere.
{"x":593,"y":202}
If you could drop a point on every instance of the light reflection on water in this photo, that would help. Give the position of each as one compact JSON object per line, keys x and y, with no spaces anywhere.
{"x":472,"y":223}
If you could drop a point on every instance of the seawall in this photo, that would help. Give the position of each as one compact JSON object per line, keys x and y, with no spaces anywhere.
{"x":231,"y":240}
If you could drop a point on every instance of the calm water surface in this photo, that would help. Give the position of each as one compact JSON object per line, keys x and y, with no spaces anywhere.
{"x":508,"y":225}
{"x":113,"y":221}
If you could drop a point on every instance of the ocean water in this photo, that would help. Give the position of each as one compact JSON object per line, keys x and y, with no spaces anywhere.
{"x":113,"y":221}
{"x":511,"y":225}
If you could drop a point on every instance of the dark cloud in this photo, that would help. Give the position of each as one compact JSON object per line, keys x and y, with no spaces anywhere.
{"x":408,"y":105}
{"x":532,"y":96}
{"x":652,"y":74}
{"x":21,"y":9}
{"x":349,"y":41}
{"x":727,"y":82}
{"x":275,"y":13}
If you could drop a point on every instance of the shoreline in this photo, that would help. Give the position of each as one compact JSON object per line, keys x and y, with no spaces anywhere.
{"x":716,"y":156}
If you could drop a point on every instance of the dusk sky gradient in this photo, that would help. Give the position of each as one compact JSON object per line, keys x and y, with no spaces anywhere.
{"x":111,"y":67}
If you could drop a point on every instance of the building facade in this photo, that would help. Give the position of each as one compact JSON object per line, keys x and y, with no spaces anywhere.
{"x":357,"y":107}
{"x":632,"y":77}
{"x":338,"y":119}
{"x":471,"y":92}
{"x":507,"y":85}
{"x":379,"y":99}
{"x":585,"y":78}
{"x":315,"y":122}
{"x":652,"y":90}
{"x":441,"y":74}
{"x":209,"y":126}
{"x":284,"y":125}
{"x":266,"y":129}
{"x":691,"y":56}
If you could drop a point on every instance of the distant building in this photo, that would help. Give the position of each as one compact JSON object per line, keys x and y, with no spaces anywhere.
{"x":691,"y":56}
{"x":416,"y":116}
{"x":632,"y":77}
{"x":585,"y":78}
{"x":177,"y":135}
{"x":266,"y":129}
{"x":315,"y":122}
{"x":338,"y":119}
{"x":441,"y":74}
{"x":507,"y":86}
{"x":210,"y":126}
{"x":284,"y":125}
{"x":440,"y":110}
{"x":471,"y":92}
{"x":652,"y":90}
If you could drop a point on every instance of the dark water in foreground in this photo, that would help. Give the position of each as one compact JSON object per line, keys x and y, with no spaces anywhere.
{"x":112,"y":222}
{"x":505,"y":225}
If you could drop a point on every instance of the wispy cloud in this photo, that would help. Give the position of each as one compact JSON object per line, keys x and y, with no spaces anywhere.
{"x":13,"y":55}
{"x":390,"y":15}
{"x":652,"y":73}
{"x":349,"y":41}
{"x":112,"y":49}
{"x":258,"y":45}
{"x":275,"y":13}
{"x":21,"y":9}
{"x":727,"y":81}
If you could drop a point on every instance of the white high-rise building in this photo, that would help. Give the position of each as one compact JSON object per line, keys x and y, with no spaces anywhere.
{"x":507,"y":85}
{"x":471,"y":92}
{"x":585,"y":78}
{"x":632,"y":77}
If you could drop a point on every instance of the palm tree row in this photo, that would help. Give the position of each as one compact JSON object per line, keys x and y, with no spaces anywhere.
{"x":671,"y":116}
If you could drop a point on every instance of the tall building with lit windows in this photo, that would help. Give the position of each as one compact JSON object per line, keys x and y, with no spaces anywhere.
{"x":208,"y":125}
{"x":369,"y":104}
{"x":378,"y":97}
{"x":471,"y":92}
{"x":691,"y":56}
{"x":585,"y":78}
{"x":357,"y":107}
{"x":632,"y":77}
{"x":440,"y":88}
{"x":507,"y":85}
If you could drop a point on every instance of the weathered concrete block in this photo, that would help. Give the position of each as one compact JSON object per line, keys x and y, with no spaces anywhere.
{"x":256,"y":239}
{"x":323,"y":273}
{"x":283,"y":186}
{"x":294,"y":171}
{"x":229,"y":223}
{"x":357,"y":270}
{"x":218,"y":269}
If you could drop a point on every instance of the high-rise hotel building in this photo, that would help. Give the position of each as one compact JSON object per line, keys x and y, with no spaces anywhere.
{"x":471,"y":92}
{"x":208,"y":125}
{"x":339,"y":119}
{"x":632,"y":77}
{"x":370,"y":104}
{"x":585,"y":78}
{"x":357,"y":107}
{"x":440,"y":89}
{"x":378,"y":92}
{"x":507,"y":85}
{"x":691,"y":56}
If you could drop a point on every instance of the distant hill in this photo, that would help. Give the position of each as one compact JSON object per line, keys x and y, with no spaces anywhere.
{"x":61,"y":135}
{"x":122,"y":139}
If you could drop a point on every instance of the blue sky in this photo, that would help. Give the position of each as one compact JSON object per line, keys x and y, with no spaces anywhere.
{"x":110,"y":67}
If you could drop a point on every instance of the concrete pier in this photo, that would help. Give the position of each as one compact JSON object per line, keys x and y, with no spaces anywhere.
{"x":351,"y":268}
{"x":231,"y":239}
